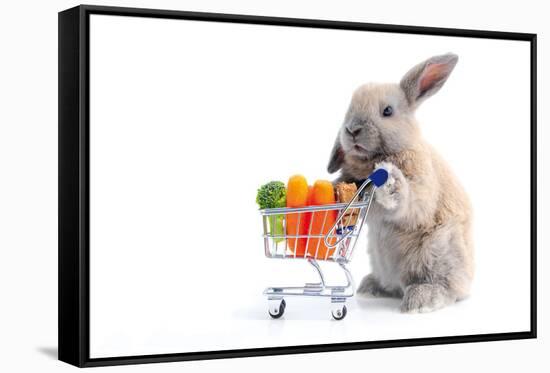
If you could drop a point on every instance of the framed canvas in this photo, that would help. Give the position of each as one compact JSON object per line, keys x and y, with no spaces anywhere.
{"x":234,"y":186}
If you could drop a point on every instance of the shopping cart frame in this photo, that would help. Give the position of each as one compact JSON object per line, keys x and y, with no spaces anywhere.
{"x":341,"y":238}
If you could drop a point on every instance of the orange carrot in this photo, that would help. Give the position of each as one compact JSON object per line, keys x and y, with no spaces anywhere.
{"x":297,"y":223}
{"x":322,"y":221}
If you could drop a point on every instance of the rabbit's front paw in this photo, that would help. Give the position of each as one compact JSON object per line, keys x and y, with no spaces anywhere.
{"x":424,"y":298}
{"x":392,"y":192}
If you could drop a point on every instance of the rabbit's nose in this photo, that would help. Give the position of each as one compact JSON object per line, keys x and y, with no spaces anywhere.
{"x":353,"y":132}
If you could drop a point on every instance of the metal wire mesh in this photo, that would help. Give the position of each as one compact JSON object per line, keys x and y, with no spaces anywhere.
{"x":325,"y":232}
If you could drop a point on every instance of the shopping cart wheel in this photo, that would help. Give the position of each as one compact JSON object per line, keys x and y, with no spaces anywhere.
{"x":276,"y":313}
{"x":340,"y":313}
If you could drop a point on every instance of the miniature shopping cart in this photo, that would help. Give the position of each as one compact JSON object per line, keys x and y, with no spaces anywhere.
{"x":345,"y":221}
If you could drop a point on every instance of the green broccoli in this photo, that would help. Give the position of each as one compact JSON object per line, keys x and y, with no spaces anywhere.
{"x":273,"y":195}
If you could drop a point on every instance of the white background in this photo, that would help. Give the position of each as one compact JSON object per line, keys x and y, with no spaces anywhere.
{"x":29,"y":219}
{"x":187,"y":119}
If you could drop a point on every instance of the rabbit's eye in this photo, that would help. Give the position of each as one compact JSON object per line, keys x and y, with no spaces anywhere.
{"x":388,"y":111}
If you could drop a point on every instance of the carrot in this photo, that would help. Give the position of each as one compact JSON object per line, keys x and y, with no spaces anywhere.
{"x":297,"y":223}
{"x":321,"y":221}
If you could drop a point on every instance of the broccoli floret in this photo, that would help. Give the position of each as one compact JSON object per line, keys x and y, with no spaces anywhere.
{"x":272,"y":195}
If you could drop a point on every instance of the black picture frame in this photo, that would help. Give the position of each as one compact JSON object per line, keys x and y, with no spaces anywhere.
{"x":73,"y":251}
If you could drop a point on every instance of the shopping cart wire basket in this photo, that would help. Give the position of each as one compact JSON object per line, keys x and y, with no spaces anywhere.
{"x":330,"y":235}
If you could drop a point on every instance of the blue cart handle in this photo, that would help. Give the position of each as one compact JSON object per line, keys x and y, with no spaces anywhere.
{"x":379,"y":177}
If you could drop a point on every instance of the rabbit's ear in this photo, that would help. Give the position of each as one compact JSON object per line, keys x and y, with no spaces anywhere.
{"x":336,"y":156}
{"x":426,"y":78}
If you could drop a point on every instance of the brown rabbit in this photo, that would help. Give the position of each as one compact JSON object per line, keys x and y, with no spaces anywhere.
{"x":419,"y":236}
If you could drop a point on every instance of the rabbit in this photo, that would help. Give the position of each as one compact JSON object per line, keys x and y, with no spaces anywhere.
{"x":420,"y":224}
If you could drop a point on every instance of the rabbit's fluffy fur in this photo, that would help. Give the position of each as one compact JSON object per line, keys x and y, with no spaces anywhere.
{"x":419,"y":229}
